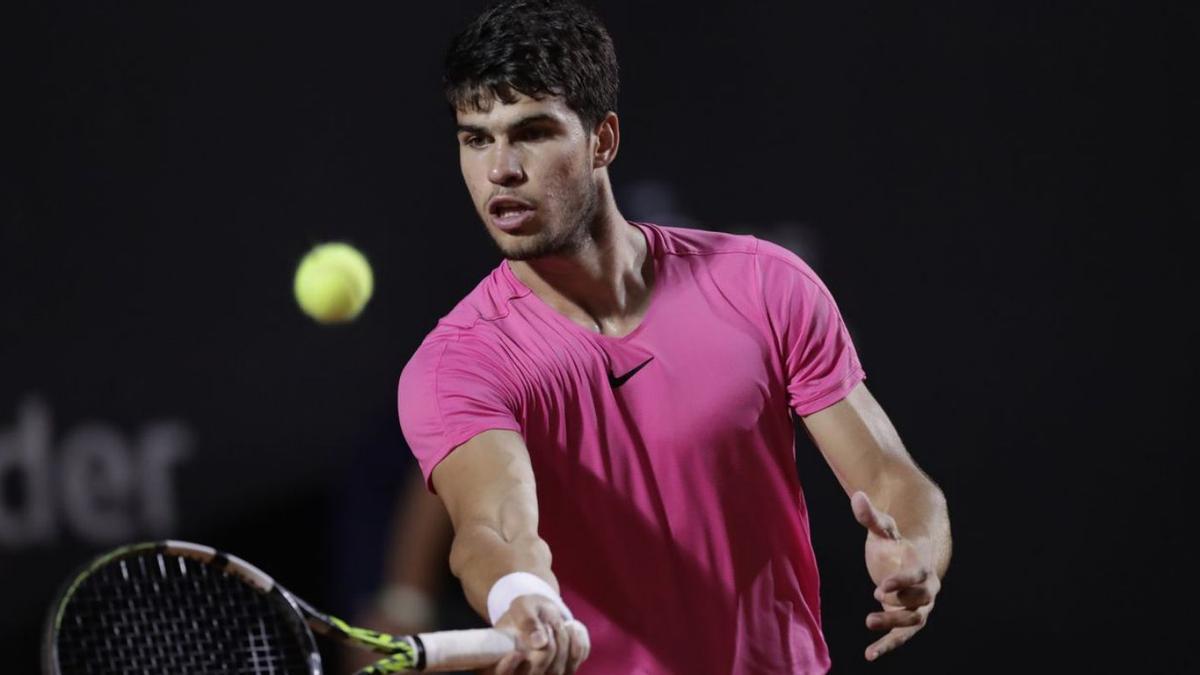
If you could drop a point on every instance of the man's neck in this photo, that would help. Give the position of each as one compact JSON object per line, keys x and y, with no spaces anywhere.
{"x":604,"y":285}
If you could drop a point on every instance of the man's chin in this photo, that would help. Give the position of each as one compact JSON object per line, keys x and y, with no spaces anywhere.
{"x":522,"y":253}
{"x":530,"y":247}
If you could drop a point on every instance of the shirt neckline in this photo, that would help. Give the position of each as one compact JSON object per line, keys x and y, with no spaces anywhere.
{"x":653,"y":250}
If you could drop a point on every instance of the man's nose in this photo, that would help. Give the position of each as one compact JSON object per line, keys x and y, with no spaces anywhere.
{"x":506,"y":166}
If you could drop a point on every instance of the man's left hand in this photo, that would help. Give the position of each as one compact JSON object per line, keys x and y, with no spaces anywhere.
{"x":906,"y":581}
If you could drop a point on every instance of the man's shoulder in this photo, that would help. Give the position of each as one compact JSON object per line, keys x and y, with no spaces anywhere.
{"x":749,"y":252}
{"x":684,"y":241}
{"x":488,"y":302}
{"x":467,"y":332}
{"x":776,"y":265}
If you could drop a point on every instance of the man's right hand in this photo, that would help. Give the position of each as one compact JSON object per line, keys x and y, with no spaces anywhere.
{"x":547,"y":644}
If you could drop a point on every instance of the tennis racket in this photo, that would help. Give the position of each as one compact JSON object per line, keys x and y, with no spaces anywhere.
{"x":177,"y":607}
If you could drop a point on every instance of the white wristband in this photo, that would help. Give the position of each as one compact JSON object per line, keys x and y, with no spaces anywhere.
{"x":512,"y":586}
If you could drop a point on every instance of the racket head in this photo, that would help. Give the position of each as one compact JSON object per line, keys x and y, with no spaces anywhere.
{"x":173,"y":606}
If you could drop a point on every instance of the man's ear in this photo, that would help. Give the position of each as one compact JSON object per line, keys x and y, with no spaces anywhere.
{"x":608,"y":140}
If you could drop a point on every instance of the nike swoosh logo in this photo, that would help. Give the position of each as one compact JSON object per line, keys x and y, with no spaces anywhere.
{"x":618,"y":381}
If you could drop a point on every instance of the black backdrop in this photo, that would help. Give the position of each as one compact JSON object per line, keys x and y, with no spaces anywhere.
{"x":990,"y":190}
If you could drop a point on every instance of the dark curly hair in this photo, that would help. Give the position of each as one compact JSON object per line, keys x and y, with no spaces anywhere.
{"x":538,"y":48}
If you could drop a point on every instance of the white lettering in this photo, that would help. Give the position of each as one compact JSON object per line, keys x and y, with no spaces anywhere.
{"x":162,"y":445}
{"x":102,"y":487}
{"x":25,"y":468}
{"x":97,"y":482}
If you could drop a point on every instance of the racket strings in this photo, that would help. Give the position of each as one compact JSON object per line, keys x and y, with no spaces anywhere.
{"x":156,"y":613}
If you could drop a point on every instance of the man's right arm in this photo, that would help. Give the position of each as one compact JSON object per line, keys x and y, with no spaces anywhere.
{"x":488,"y":488}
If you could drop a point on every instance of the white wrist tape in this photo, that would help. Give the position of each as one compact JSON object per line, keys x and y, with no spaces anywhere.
{"x":512,"y":586}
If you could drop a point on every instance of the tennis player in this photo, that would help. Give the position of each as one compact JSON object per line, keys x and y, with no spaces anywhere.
{"x":608,"y":416}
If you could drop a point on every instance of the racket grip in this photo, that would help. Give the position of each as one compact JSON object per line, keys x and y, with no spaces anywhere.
{"x":465,"y":649}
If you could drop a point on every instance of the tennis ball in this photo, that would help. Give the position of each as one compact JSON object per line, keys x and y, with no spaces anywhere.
{"x":333,"y":282}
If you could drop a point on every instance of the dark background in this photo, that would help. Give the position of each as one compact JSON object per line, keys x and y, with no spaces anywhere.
{"x":998,"y":195}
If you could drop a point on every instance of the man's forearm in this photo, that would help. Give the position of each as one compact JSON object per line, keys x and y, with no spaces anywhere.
{"x":481,"y":554}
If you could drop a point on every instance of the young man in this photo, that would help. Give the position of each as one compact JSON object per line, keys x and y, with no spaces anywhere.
{"x":622,"y":395}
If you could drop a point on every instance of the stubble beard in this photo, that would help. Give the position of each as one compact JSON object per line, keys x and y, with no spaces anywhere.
{"x":560,"y":242}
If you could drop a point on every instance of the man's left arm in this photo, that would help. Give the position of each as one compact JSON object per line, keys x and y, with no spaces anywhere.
{"x":903,"y":511}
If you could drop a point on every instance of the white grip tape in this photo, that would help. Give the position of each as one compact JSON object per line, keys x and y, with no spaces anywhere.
{"x":465,"y":649}
{"x":512,"y":586}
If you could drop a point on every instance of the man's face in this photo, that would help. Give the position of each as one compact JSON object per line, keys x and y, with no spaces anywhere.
{"x":528,"y":167}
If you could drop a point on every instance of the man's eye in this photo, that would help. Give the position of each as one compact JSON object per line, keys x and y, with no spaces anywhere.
{"x":474,"y":142}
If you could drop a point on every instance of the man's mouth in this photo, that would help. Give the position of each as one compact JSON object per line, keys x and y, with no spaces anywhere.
{"x":509,"y":213}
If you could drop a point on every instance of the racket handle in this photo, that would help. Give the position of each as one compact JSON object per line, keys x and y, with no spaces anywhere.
{"x":465,"y":649}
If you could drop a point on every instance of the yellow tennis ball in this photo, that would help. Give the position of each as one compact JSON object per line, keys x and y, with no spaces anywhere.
{"x":333,"y":283}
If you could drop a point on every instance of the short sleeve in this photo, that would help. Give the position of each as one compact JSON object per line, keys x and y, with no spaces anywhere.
{"x":448,"y":394}
{"x":820,"y":361}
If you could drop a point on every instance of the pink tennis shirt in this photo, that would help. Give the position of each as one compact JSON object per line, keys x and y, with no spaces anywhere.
{"x":664,"y":459}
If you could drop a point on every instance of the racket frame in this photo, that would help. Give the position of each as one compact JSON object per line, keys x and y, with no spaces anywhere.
{"x":407,"y":651}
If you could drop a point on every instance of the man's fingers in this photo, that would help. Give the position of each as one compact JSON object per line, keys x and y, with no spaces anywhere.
{"x":904,"y":578}
{"x":581,"y":645}
{"x":909,"y":598}
{"x":535,"y":646}
{"x":914,"y":596}
{"x":532,"y":631}
{"x":541,"y":659}
{"x":536,"y":636}
{"x":562,"y":648}
{"x":508,"y":664}
{"x":905,"y":589}
{"x":895,"y":618}
{"x":872,"y":518}
{"x":545,"y":643}
{"x":889,"y":642}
